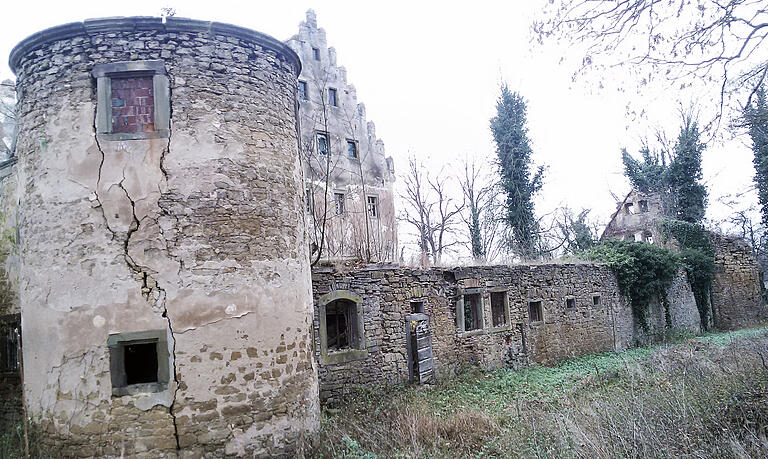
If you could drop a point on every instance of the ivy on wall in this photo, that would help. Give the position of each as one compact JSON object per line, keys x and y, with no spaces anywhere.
{"x":698,"y":259}
{"x":643,"y":271}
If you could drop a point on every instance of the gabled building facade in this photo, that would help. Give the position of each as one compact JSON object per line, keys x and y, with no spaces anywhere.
{"x":350,"y":206}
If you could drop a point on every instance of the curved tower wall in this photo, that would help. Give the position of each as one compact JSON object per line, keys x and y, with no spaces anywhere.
{"x":176,"y":238}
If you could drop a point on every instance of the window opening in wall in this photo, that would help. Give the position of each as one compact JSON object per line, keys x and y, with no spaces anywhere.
{"x":628,"y":209}
{"x":417,"y":307}
{"x":316,"y":54}
{"x":332,"y":100}
{"x":9,"y":347}
{"x":303,"y":90}
{"x":535,"y":314}
{"x":352,"y":149}
{"x":596,"y":300}
{"x":498,"y":309}
{"x":648,"y":237}
{"x":322,"y":143}
{"x":132,"y":100}
{"x":570,"y":302}
{"x":140,"y":361}
{"x":643,"y":205}
{"x":308,"y":199}
{"x":336,"y":322}
{"x":338,"y":198}
{"x":373,"y":206}
{"x":473,"y":317}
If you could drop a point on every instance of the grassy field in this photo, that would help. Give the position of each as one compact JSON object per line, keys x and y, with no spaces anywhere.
{"x":701,"y":397}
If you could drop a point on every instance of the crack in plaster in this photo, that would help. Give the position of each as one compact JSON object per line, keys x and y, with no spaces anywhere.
{"x":146,"y":290}
{"x":214,"y":322}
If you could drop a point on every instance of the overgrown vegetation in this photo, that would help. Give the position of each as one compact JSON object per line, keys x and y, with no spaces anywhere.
{"x":643,"y":271}
{"x":702,"y":397}
{"x":520,"y":184}
{"x":698,"y":259}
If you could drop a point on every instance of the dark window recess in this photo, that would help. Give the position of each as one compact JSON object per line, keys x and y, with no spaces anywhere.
{"x":332,"y":99}
{"x":339,"y":200}
{"x":570,"y":303}
{"x":373,"y":206}
{"x":628,"y":209}
{"x":498,"y":311}
{"x":308,"y":198}
{"x":303,"y":90}
{"x":643,"y":205}
{"x":473,"y":318}
{"x":351,"y":149}
{"x":316,"y":54}
{"x":133,"y":105}
{"x":534,"y":311}
{"x":417,"y":307}
{"x":140,"y":362}
{"x":340,"y":325}
{"x":9,"y":346}
{"x":596,"y":300}
{"x":322,"y":143}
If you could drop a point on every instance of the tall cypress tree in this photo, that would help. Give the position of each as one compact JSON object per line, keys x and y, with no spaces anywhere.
{"x":756,"y":118}
{"x":688,"y":194}
{"x":513,"y":151}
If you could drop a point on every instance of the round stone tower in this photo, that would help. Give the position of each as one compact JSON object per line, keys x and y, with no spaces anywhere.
{"x":164,"y":283}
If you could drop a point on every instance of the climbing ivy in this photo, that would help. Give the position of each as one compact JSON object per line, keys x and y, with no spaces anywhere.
{"x":642,"y":270}
{"x":698,"y":258}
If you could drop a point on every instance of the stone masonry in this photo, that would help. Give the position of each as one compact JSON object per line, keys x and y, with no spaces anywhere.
{"x":582,"y":312}
{"x":338,"y":143}
{"x":182,"y":241}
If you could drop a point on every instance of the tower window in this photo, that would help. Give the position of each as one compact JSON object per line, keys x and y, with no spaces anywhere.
{"x":316,"y":54}
{"x":138,"y":362}
{"x":338,"y":198}
{"x":332,"y":99}
{"x":322,"y":143}
{"x":352,"y":149}
{"x":303,"y":90}
{"x":373,"y":206}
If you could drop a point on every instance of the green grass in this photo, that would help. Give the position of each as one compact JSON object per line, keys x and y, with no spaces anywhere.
{"x":703,"y":396}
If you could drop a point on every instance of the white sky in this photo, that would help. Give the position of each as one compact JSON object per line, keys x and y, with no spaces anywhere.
{"x":429,"y":74}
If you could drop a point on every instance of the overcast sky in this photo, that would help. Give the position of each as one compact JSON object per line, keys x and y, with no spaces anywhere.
{"x":429,"y":75}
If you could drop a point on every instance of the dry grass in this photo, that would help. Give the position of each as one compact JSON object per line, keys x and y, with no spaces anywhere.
{"x":704,"y":397}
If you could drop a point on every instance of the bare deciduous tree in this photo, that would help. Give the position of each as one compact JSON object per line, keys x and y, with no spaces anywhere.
{"x":8,"y":126}
{"x":716,"y":41}
{"x":483,"y":211}
{"x":431,"y":211}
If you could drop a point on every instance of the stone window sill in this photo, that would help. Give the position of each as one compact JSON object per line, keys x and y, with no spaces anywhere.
{"x":348,"y":355}
{"x":501,"y":328}
{"x":137,"y":389}
{"x":135,"y":136}
{"x":479,"y":331}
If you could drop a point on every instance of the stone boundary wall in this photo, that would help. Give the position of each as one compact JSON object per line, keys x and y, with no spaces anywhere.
{"x":567,"y":329}
{"x":683,"y":313}
{"x":736,"y":287}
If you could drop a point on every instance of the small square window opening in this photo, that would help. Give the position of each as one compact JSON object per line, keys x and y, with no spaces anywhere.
{"x":628,"y":208}
{"x":417,"y":307}
{"x":316,"y":54}
{"x":535,"y":314}
{"x":303,"y":90}
{"x":140,"y":361}
{"x":498,"y":309}
{"x":352,"y":149}
{"x":570,"y":302}
{"x":332,"y":99}
{"x":643,"y":205}
{"x":373,"y":206}
{"x":597,"y":300}
{"x":338,"y":198}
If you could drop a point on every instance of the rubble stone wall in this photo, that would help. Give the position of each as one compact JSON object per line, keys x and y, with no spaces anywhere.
{"x":583,"y":326}
{"x":196,"y":236}
{"x":736,"y":297}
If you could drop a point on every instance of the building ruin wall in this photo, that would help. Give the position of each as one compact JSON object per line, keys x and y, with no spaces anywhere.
{"x":198,"y":235}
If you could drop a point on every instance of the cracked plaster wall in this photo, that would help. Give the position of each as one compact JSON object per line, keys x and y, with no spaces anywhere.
{"x":200,"y":234}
